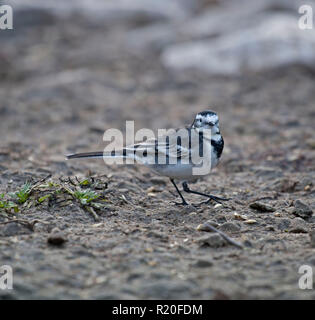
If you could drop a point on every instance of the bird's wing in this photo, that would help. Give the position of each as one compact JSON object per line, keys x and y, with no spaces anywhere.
{"x":169,"y":145}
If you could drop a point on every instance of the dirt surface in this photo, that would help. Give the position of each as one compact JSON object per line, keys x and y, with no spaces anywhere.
{"x":62,"y":85}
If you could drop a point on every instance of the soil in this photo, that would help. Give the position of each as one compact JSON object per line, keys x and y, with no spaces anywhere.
{"x":62,"y":85}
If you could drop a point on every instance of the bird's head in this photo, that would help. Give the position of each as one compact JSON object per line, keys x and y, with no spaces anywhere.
{"x":207,"y":120}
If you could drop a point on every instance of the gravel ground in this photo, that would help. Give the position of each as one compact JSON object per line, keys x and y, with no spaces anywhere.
{"x":62,"y":84}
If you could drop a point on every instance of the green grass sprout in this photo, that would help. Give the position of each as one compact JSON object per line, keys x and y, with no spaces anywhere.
{"x":42,"y":199}
{"x":85,"y":183}
{"x":7,"y":205}
{"x":86,"y":196}
{"x":23,"y":194}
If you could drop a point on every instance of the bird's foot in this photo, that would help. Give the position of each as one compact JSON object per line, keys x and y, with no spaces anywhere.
{"x":215,"y":199}
{"x":183,"y":203}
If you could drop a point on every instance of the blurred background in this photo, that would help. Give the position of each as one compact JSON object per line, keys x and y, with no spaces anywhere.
{"x":71,"y":69}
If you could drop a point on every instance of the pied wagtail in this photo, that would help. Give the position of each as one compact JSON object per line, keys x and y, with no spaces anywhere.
{"x":172,"y":147}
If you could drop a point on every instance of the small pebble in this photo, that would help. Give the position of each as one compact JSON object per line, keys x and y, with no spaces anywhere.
{"x":221,"y":219}
{"x":150,"y":189}
{"x":238,"y":216}
{"x":203,"y":226}
{"x":56,"y":237}
{"x":250,"y":221}
{"x":151,"y":194}
{"x":283,"y":224}
{"x":229,"y":227}
{"x":248,"y":244}
{"x":298,"y":225}
{"x":269,"y":228}
{"x":302,"y":210}
{"x":96,"y":225}
{"x":214,"y":241}
{"x":202,"y":263}
{"x":262,"y":207}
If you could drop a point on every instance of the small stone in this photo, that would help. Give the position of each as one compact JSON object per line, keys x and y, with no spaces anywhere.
{"x":221,"y":219}
{"x":269,"y":228}
{"x":150,"y":189}
{"x":213,"y":241}
{"x":302,"y":210}
{"x":248,"y":244}
{"x":56,"y":237}
{"x":238,"y":216}
{"x":96,"y":225}
{"x":283,"y":224}
{"x":250,"y":221}
{"x":305,"y":184}
{"x":298,"y":225}
{"x":203,"y":226}
{"x":277,"y":214}
{"x":202,"y":263}
{"x":262,"y":207}
{"x":312,"y":237}
{"x":218,"y":205}
{"x":151,"y":194}
{"x":229,"y":227}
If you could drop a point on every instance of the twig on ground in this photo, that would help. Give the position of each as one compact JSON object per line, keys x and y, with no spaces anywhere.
{"x":208,"y":227}
{"x":92,"y":212}
{"x":71,"y":181}
{"x":44,"y":179}
{"x":28,"y":224}
{"x":35,"y":184}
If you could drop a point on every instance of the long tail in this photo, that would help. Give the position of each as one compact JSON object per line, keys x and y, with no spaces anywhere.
{"x":97,"y":154}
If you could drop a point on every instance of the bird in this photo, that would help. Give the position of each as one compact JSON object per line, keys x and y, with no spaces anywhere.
{"x":180,"y":154}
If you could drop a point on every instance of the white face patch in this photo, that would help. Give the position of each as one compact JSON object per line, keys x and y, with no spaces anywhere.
{"x":207,"y":120}
{"x":212,"y":118}
{"x":204,"y":120}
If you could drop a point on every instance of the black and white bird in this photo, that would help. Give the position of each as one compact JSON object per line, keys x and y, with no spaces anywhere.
{"x":178,"y":150}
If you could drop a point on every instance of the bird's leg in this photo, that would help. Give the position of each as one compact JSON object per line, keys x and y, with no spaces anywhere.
{"x":211,"y":197}
{"x":184,"y":203}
